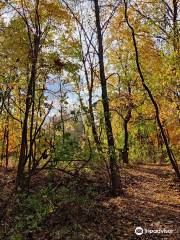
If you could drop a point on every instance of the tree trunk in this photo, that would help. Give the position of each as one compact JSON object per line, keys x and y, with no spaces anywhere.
{"x":90,"y":85}
{"x":160,"y":147}
{"x":7,"y":136}
{"x":34,"y":42}
{"x":24,"y":144}
{"x":169,"y":151}
{"x":7,"y":148}
{"x":126,"y":148}
{"x":30,"y":98}
{"x":115,"y":178}
{"x":61,"y":112}
{"x":93,"y":125}
{"x":3,"y":144}
{"x":125,"y":153}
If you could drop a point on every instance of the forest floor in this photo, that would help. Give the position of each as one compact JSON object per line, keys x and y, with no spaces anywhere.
{"x":82,"y":209}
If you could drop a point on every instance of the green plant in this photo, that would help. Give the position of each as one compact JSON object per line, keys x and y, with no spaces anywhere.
{"x":34,"y":210}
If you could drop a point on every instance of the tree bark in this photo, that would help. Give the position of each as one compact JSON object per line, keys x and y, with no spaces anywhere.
{"x":125,"y":153}
{"x":115,"y":178}
{"x":91,"y":112}
{"x":23,"y":157}
{"x":3,"y":144}
{"x":61,"y":113}
{"x":93,"y":126}
{"x":7,"y":146}
{"x":90,"y":86}
{"x":34,"y":42}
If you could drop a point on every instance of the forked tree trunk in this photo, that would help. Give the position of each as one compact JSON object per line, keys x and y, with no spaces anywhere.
{"x":25,"y":153}
{"x":23,"y":157}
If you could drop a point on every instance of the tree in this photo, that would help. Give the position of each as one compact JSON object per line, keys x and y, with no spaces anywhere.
{"x":147,"y":89}
{"x":34,"y":19}
{"x":115,"y":181}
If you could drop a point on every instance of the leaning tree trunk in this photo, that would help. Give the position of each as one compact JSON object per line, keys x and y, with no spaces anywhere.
{"x":156,"y":107}
{"x":115,"y":178}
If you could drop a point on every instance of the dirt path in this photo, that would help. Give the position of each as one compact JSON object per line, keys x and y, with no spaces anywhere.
{"x":150,"y":201}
